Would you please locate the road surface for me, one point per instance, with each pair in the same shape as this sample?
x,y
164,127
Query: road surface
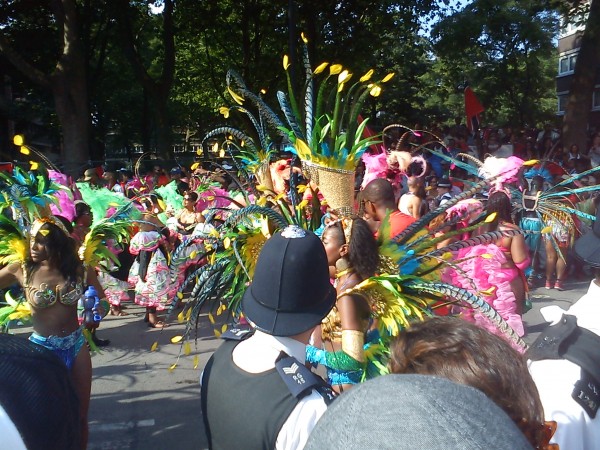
x,y
138,403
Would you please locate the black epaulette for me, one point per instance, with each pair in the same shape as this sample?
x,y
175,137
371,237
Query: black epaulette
x,y
300,380
238,333
566,340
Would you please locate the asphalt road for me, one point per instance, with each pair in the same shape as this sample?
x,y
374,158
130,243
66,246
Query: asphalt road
x,y
138,403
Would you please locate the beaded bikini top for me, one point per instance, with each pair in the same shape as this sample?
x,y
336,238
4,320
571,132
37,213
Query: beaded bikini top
x,y
44,296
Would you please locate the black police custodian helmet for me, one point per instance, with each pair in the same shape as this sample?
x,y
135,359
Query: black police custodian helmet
x,y
290,292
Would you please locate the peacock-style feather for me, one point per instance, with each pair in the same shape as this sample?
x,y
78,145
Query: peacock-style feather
x,y
29,193
236,85
289,115
413,228
475,302
244,213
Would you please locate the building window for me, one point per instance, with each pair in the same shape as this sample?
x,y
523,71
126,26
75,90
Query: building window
x,y
562,102
567,64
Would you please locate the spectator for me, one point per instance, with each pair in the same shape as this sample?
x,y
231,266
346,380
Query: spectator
x,y
39,409
594,152
467,354
176,174
574,152
111,183
91,176
547,133
257,393
444,187
415,412
378,201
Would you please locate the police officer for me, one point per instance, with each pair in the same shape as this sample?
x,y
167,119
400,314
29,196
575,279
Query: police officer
x,y
256,390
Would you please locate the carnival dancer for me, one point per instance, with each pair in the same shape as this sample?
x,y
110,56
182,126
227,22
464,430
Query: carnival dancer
x,y
352,250
150,271
531,222
54,279
495,268
412,203
557,244
188,217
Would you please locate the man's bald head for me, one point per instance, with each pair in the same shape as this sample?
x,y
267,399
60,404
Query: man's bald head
x,y
380,192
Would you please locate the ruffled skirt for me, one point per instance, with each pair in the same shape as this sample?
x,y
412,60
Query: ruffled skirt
x,y
485,273
150,272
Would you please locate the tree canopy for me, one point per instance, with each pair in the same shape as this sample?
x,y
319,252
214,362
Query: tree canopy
x,y
152,74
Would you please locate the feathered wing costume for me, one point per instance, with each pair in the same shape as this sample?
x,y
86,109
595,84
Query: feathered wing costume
x,y
25,201
559,208
25,197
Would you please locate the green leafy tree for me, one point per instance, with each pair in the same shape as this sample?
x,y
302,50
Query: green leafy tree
x,y
57,65
504,50
152,58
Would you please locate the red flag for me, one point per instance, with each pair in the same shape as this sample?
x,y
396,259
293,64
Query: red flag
x,y
472,109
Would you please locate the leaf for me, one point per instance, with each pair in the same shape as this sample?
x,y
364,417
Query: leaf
x,y
180,317
172,368
187,348
154,346
196,361
176,339
217,333
180,295
224,328
211,318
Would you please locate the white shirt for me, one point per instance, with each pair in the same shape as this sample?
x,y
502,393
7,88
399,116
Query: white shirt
x,y
555,380
258,354
11,438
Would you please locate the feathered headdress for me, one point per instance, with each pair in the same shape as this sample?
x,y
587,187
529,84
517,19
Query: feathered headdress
x,y
502,170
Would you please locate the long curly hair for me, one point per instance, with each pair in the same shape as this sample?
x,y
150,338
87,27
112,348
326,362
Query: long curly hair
x,y
363,253
62,252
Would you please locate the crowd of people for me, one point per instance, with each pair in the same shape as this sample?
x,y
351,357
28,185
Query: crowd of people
x,y
358,294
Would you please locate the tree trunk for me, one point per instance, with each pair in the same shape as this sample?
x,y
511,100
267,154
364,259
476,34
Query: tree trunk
x,y
68,84
162,127
73,114
156,90
575,121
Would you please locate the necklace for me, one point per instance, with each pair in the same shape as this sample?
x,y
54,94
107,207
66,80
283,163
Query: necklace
x,y
341,273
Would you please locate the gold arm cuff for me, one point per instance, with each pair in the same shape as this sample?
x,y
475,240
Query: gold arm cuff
x,y
353,342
